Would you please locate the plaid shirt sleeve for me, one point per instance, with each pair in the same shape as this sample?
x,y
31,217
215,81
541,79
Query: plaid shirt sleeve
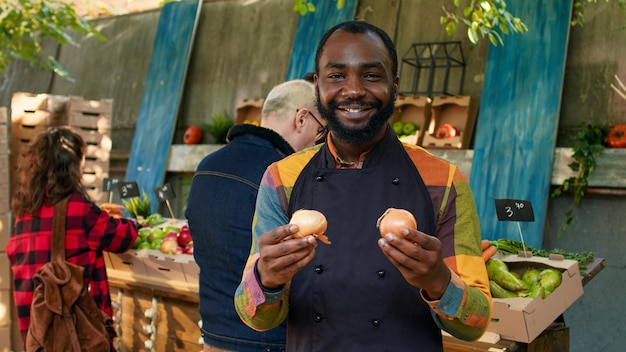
x,y
89,232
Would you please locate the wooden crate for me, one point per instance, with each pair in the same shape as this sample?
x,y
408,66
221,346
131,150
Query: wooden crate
x,y
176,322
4,131
33,101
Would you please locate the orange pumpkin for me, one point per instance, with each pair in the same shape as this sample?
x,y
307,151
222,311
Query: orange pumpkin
x,y
617,137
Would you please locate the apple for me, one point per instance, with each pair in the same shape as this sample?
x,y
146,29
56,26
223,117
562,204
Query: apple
x,y
188,248
156,234
168,246
184,236
144,245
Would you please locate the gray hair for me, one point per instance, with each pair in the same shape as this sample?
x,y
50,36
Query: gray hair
x,y
284,99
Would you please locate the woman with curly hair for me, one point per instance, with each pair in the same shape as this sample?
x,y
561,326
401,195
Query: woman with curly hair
x,y
49,171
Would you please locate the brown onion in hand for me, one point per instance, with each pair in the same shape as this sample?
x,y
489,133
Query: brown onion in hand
x,y
393,220
310,222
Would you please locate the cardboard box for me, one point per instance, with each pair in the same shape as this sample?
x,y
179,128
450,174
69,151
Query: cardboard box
x,y
128,261
249,110
459,111
175,267
523,319
414,109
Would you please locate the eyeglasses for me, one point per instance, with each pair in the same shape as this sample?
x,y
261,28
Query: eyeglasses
x,y
321,130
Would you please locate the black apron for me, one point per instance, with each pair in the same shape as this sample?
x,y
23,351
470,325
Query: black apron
x,y
350,297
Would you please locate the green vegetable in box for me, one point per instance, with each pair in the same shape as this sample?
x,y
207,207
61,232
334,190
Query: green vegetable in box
x,y
534,282
500,274
498,291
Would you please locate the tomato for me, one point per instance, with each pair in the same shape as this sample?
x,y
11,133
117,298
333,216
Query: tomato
x,y
617,137
446,131
193,135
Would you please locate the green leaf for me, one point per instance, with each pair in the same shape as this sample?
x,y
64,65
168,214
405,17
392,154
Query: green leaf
x,y
450,28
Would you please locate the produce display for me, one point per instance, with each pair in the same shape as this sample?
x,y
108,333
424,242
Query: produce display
x,y
404,129
446,131
164,235
506,246
533,283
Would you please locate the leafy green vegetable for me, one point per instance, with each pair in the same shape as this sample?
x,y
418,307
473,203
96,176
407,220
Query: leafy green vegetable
x,y
513,247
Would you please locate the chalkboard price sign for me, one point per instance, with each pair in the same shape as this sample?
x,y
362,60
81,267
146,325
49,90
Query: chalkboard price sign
x,y
109,183
128,189
164,193
514,210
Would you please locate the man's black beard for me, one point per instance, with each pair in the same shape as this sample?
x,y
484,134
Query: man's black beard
x,y
357,135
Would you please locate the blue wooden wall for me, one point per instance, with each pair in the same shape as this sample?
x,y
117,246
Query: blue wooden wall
x,y
161,95
311,28
519,113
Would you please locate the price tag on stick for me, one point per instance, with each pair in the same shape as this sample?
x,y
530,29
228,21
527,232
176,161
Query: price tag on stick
x,y
107,186
128,189
515,210
164,194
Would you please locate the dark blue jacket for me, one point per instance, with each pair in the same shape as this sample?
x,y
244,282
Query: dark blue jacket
x,y
219,211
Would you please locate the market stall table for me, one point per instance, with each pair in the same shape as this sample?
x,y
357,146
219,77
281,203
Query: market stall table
x,y
554,339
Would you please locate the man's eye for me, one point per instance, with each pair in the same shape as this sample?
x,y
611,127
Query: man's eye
x,y
335,76
372,76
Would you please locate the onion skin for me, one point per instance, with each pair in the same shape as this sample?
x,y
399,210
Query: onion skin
x,y
310,223
394,220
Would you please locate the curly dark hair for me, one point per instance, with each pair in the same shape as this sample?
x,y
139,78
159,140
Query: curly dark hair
x,y
359,27
49,170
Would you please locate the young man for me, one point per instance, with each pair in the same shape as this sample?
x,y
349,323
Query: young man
x,y
364,292
221,204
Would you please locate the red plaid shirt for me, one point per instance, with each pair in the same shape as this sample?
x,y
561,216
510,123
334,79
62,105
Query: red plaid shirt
x,y
89,231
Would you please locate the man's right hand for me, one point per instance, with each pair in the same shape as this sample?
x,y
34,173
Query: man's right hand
x,y
282,255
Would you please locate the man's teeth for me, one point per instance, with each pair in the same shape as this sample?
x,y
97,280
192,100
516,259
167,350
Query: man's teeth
x,y
354,110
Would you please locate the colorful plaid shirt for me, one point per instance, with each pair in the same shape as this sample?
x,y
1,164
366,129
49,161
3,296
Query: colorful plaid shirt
x,y
465,308
89,232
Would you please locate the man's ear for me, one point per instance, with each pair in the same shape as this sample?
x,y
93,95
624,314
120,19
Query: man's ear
x,y
299,119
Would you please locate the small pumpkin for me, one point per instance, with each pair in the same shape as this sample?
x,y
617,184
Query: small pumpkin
x,y
617,137
193,135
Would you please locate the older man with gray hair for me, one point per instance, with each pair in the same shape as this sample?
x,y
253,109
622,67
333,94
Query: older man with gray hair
x,y
221,205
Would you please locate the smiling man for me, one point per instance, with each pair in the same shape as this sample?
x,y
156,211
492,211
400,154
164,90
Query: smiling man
x,y
364,292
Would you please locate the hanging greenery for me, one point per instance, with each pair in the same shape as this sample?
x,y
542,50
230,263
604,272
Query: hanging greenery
x,y
24,24
589,143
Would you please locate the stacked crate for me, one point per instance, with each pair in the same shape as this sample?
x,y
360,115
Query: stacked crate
x,y
5,227
33,113
92,120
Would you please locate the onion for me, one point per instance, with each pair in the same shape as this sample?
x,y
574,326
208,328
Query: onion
x,y
310,222
393,220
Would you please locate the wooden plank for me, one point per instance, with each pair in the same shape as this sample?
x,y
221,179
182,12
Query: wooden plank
x,y
519,112
311,28
162,94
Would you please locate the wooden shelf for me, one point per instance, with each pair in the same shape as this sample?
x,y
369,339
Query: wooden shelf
x,y
610,171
